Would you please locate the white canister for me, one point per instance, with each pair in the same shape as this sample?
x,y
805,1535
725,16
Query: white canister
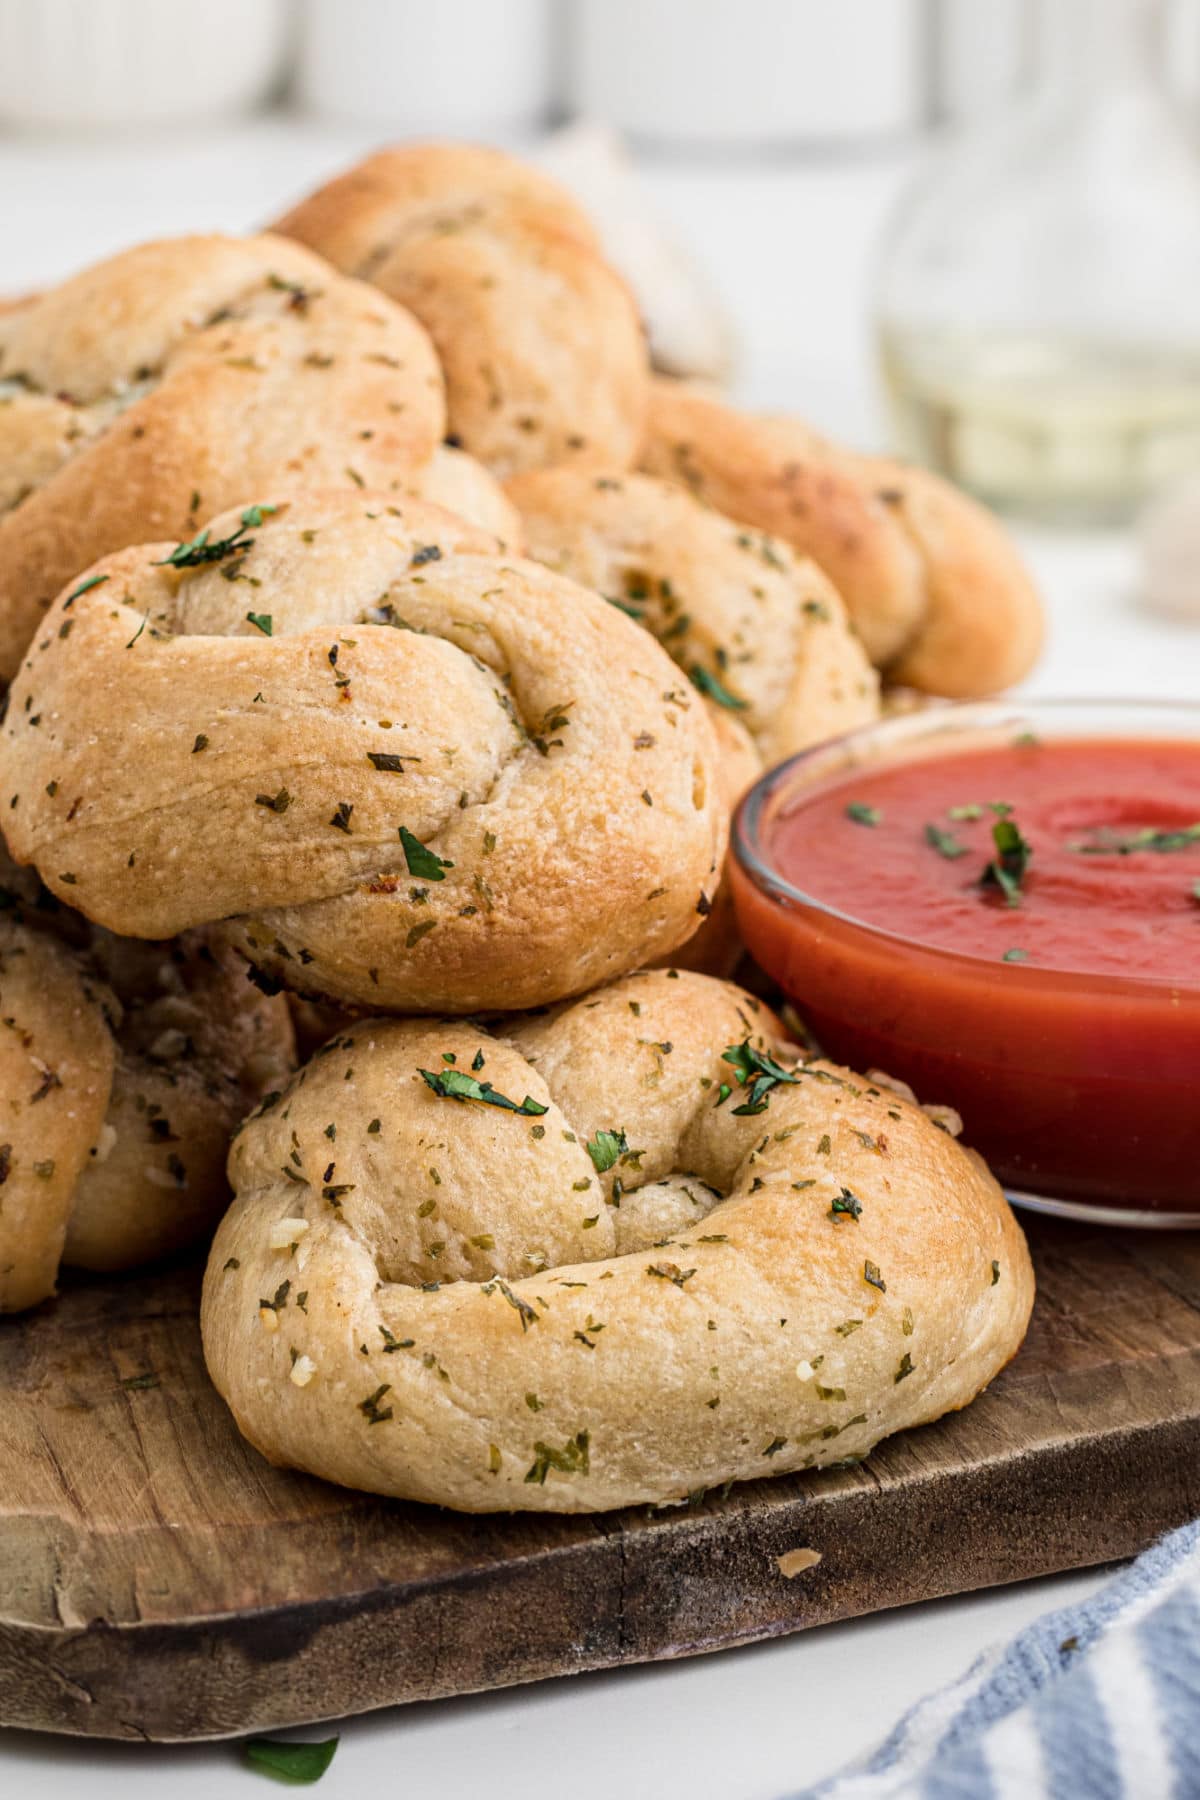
x,y
471,68
750,73
79,64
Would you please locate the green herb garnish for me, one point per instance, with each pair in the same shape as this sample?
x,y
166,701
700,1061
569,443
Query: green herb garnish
x,y
1006,870
605,1148
1015,955
421,861
1161,842
370,1408
261,622
862,814
846,1205
713,689
944,842
85,587
294,1762
757,1071
572,1459
453,1084
198,550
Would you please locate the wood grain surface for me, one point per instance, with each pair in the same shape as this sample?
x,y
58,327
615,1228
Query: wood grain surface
x,y
159,1580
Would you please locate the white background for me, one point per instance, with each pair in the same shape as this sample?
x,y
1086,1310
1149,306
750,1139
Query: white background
x,y
791,251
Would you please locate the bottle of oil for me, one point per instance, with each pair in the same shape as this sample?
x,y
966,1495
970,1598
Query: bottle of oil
x,y
1039,297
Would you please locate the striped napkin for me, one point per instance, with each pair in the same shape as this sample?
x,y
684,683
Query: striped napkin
x,y
1096,1702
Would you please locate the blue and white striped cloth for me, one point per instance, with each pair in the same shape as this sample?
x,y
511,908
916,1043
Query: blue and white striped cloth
x,y
1096,1702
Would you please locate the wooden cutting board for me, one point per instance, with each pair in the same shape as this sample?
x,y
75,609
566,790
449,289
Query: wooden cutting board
x,y
159,1580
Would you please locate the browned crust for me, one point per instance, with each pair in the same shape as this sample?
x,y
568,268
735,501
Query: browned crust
x,y
539,338
183,377
933,583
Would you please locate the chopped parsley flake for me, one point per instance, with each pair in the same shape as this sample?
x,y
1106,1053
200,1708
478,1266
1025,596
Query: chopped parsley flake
x,y
85,587
572,1459
199,550
297,1763
756,1070
605,1148
1161,842
944,842
1006,870
713,689
453,1084
370,1408
422,863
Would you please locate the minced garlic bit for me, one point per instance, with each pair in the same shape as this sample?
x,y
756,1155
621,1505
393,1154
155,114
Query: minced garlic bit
x,y
804,1371
303,1370
946,1118
795,1562
880,1078
168,1044
105,1143
286,1232
269,1318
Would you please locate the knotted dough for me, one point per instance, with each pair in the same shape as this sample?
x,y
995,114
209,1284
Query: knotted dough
x,y
156,388
607,1254
540,341
932,581
759,630
407,771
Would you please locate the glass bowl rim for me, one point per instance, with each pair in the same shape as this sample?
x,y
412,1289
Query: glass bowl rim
x,y
756,866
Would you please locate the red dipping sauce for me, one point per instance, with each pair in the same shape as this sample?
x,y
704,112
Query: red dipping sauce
x,y
1001,906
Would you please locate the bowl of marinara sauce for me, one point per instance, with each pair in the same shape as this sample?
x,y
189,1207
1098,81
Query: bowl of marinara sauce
x,y
1000,905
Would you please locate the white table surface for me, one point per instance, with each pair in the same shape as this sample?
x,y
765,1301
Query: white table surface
x,y
790,248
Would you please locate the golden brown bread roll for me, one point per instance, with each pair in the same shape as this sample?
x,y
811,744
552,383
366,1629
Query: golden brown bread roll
x,y
932,581
124,1068
155,389
408,772
611,1254
759,630
539,339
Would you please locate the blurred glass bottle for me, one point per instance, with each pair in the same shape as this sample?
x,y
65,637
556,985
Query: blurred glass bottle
x,y
1039,297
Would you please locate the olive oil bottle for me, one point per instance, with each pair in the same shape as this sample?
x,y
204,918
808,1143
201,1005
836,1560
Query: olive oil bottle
x,y
1039,295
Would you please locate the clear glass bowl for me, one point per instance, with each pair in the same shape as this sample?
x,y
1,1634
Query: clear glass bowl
x,y
1082,1091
